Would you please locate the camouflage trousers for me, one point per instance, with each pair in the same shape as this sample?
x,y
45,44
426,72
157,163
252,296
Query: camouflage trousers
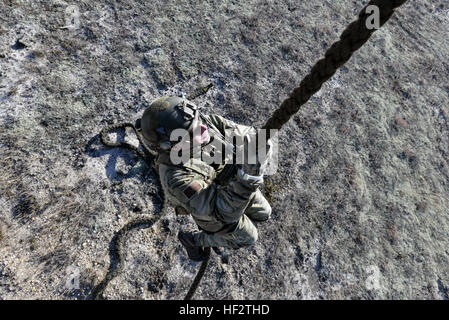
x,y
244,232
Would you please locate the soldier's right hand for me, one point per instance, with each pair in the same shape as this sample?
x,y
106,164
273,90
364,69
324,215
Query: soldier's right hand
x,y
253,162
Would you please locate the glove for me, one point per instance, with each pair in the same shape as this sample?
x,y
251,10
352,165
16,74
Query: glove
x,y
254,163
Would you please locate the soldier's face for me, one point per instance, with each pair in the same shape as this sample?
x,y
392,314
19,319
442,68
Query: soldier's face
x,y
199,133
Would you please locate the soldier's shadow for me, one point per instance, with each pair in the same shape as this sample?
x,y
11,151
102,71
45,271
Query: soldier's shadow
x,y
138,166
140,169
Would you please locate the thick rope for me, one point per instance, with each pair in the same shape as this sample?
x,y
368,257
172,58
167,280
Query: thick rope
x,y
355,35
146,154
116,254
199,276
352,38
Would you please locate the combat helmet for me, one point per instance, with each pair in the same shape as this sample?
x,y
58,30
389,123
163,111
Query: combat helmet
x,y
165,115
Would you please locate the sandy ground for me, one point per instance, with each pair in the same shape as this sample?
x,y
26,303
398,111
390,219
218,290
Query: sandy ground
x,y
361,198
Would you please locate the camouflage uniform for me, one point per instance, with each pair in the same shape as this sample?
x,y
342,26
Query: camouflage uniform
x,y
223,213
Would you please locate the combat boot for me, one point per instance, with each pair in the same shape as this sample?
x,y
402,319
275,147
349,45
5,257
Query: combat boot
x,y
195,252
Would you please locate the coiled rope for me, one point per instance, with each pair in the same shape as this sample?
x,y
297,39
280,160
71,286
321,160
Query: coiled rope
x,y
116,254
147,154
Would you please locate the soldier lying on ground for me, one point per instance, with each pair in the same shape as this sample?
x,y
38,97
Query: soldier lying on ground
x,y
224,213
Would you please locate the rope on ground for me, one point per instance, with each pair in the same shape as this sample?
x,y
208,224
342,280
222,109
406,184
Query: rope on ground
x,y
355,35
146,154
199,275
116,254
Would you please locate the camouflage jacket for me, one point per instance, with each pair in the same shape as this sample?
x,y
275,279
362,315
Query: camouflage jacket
x,y
192,186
